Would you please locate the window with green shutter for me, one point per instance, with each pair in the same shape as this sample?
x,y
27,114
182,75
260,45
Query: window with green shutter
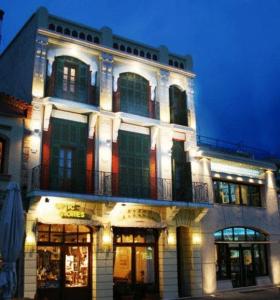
x,y
178,106
68,156
181,173
134,94
71,79
134,156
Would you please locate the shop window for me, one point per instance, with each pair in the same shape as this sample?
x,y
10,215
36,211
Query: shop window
x,y
133,94
178,106
70,79
236,193
61,266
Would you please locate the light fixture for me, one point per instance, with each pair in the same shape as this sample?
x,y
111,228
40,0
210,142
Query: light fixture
x,y
106,237
171,239
196,239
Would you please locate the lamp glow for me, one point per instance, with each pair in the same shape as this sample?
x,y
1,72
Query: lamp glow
x,y
196,239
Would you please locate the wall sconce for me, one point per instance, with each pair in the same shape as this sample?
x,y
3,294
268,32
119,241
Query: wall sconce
x,y
107,237
30,242
196,239
171,239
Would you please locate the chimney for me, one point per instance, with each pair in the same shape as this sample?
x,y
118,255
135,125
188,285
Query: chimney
x,y
1,20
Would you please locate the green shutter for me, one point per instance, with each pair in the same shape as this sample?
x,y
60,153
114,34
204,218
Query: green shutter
x,y
178,106
58,65
82,82
69,135
134,164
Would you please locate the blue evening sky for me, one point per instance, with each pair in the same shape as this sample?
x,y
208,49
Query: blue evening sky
x,y
235,46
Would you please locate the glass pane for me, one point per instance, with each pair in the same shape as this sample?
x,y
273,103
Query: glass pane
x,y
218,236
234,193
48,267
83,228
84,238
263,260
228,234
127,238
250,234
244,194
56,237
71,228
122,265
145,272
224,192
255,199
260,236
235,267
43,227
139,238
71,237
221,261
43,236
57,228
239,234
76,266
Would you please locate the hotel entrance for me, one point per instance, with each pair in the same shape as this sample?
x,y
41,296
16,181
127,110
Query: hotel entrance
x,y
64,262
135,264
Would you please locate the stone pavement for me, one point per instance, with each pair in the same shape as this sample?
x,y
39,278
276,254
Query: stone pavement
x,y
259,294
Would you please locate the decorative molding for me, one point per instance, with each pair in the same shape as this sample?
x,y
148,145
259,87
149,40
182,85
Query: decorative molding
x,y
69,116
190,142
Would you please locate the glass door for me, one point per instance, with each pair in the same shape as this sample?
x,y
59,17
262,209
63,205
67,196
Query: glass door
x,y
235,267
135,265
248,273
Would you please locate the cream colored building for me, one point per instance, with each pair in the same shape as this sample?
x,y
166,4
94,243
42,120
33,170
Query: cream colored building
x,y
121,198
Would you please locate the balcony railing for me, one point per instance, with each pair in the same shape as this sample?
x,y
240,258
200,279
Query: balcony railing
x,y
110,184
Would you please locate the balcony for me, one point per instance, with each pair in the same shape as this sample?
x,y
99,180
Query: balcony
x,y
109,184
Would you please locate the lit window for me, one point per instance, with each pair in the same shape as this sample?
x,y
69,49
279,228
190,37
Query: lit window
x,y
69,79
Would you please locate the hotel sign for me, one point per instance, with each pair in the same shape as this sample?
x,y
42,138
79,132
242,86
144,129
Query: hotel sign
x,y
72,211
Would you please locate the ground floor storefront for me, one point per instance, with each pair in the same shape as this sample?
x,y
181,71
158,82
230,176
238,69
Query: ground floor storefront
x,y
78,249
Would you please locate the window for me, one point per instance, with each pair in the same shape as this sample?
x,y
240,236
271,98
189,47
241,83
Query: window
x,y
59,29
128,50
135,51
82,36
116,46
178,106
70,79
133,94
240,255
74,33
3,155
52,27
96,40
89,38
235,193
155,57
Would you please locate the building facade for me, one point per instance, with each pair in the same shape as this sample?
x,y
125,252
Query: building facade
x,y
122,201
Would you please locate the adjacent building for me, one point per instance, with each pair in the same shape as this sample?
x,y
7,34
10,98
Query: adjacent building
x,y
122,202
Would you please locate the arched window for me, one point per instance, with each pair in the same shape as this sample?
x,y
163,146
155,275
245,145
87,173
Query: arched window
x,y
148,55
178,106
142,53
122,48
182,66
133,94
170,62
74,33
116,46
135,51
96,40
128,50
70,79
67,31
155,57
176,64
82,36
52,27
89,38
59,29
241,255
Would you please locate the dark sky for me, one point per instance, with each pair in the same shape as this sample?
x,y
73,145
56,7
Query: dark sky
x,y
235,45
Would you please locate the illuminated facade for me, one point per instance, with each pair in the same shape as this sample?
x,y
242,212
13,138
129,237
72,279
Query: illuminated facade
x,y
119,193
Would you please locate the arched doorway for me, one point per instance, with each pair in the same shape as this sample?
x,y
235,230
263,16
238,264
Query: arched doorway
x,y
64,262
241,255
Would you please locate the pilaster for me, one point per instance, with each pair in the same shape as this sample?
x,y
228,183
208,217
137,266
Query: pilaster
x,y
190,104
163,95
106,81
39,72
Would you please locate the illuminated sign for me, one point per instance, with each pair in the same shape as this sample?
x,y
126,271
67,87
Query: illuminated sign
x,y
72,211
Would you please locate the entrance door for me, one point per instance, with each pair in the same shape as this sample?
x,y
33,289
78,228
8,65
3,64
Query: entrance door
x,y
63,262
135,265
241,266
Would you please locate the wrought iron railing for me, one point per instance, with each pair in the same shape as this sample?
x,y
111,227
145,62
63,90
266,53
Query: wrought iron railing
x,y
110,184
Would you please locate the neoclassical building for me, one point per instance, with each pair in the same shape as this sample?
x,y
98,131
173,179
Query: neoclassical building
x,y
122,201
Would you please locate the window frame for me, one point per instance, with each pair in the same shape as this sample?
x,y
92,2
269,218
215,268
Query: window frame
x,y
4,158
242,202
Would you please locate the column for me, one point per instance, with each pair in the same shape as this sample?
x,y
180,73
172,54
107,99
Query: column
x,y
30,257
39,72
102,275
163,95
168,277
106,81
